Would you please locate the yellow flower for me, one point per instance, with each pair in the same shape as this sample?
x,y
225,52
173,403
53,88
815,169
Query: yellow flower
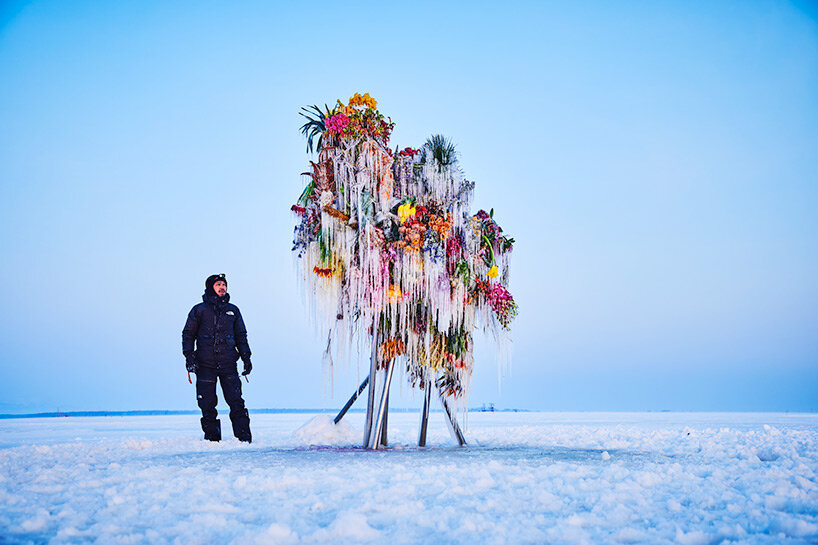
x,y
341,108
493,273
406,211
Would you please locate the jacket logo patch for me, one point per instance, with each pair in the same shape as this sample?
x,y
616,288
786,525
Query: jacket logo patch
x,y
229,313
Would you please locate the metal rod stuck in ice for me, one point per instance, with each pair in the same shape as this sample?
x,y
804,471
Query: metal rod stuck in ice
x,y
352,400
424,414
457,435
375,442
373,368
384,424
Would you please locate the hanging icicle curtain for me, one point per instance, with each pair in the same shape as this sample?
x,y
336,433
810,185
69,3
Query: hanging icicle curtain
x,y
386,240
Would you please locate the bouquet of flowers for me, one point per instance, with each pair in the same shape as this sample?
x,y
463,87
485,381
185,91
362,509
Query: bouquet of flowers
x,y
390,252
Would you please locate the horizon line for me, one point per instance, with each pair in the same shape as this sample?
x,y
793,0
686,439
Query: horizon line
x,y
483,409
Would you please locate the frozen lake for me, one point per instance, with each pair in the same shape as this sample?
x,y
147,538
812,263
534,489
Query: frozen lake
x,y
687,478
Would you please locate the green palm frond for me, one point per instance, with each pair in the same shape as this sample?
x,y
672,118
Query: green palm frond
x,y
315,125
441,149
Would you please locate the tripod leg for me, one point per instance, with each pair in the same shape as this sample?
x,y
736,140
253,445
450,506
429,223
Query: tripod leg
x,y
378,423
373,367
352,400
384,441
457,435
424,414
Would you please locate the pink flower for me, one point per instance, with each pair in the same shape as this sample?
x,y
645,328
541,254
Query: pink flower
x,y
502,302
337,123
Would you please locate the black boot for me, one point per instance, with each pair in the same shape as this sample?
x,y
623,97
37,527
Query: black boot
x,y
212,429
241,425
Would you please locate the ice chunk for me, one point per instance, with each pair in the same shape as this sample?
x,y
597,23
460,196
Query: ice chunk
x,y
695,537
767,454
37,523
348,527
277,534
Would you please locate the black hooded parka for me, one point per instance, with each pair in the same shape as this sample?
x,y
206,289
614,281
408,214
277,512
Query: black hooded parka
x,y
219,333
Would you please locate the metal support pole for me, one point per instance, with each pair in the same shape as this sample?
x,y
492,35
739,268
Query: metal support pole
x,y
375,440
457,435
424,414
373,368
384,441
352,400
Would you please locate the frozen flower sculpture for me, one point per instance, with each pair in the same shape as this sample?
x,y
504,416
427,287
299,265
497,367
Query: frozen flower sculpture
x,y
391,254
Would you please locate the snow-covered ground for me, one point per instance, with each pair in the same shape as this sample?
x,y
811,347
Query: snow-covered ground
x,y
687,478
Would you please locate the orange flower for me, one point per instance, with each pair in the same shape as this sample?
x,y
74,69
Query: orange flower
x,y
441,225
363,100
342,108
391,348
394,294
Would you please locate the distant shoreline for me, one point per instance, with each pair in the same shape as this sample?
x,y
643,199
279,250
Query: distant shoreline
x,y
80,414
65,414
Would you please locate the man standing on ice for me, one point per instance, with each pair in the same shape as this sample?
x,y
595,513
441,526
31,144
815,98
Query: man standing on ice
x,y
213,339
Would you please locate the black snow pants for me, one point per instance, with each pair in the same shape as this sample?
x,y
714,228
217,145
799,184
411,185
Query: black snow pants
x,y
206,396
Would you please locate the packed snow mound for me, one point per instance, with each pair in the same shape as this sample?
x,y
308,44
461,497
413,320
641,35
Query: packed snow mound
x,y
322,430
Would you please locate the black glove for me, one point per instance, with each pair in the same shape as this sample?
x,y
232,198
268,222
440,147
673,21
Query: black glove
x,y
247,368
190,364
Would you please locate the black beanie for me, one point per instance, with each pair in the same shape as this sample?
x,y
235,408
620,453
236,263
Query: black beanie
x,y
212,279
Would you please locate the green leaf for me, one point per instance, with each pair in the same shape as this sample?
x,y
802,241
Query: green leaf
x,y
307,193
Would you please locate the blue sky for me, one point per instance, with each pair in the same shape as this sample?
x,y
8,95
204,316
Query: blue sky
x,y
655,161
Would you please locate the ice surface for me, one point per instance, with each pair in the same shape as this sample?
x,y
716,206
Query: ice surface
x,y
685,478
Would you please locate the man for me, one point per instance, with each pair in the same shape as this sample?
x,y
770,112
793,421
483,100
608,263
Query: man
x,y
217,329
